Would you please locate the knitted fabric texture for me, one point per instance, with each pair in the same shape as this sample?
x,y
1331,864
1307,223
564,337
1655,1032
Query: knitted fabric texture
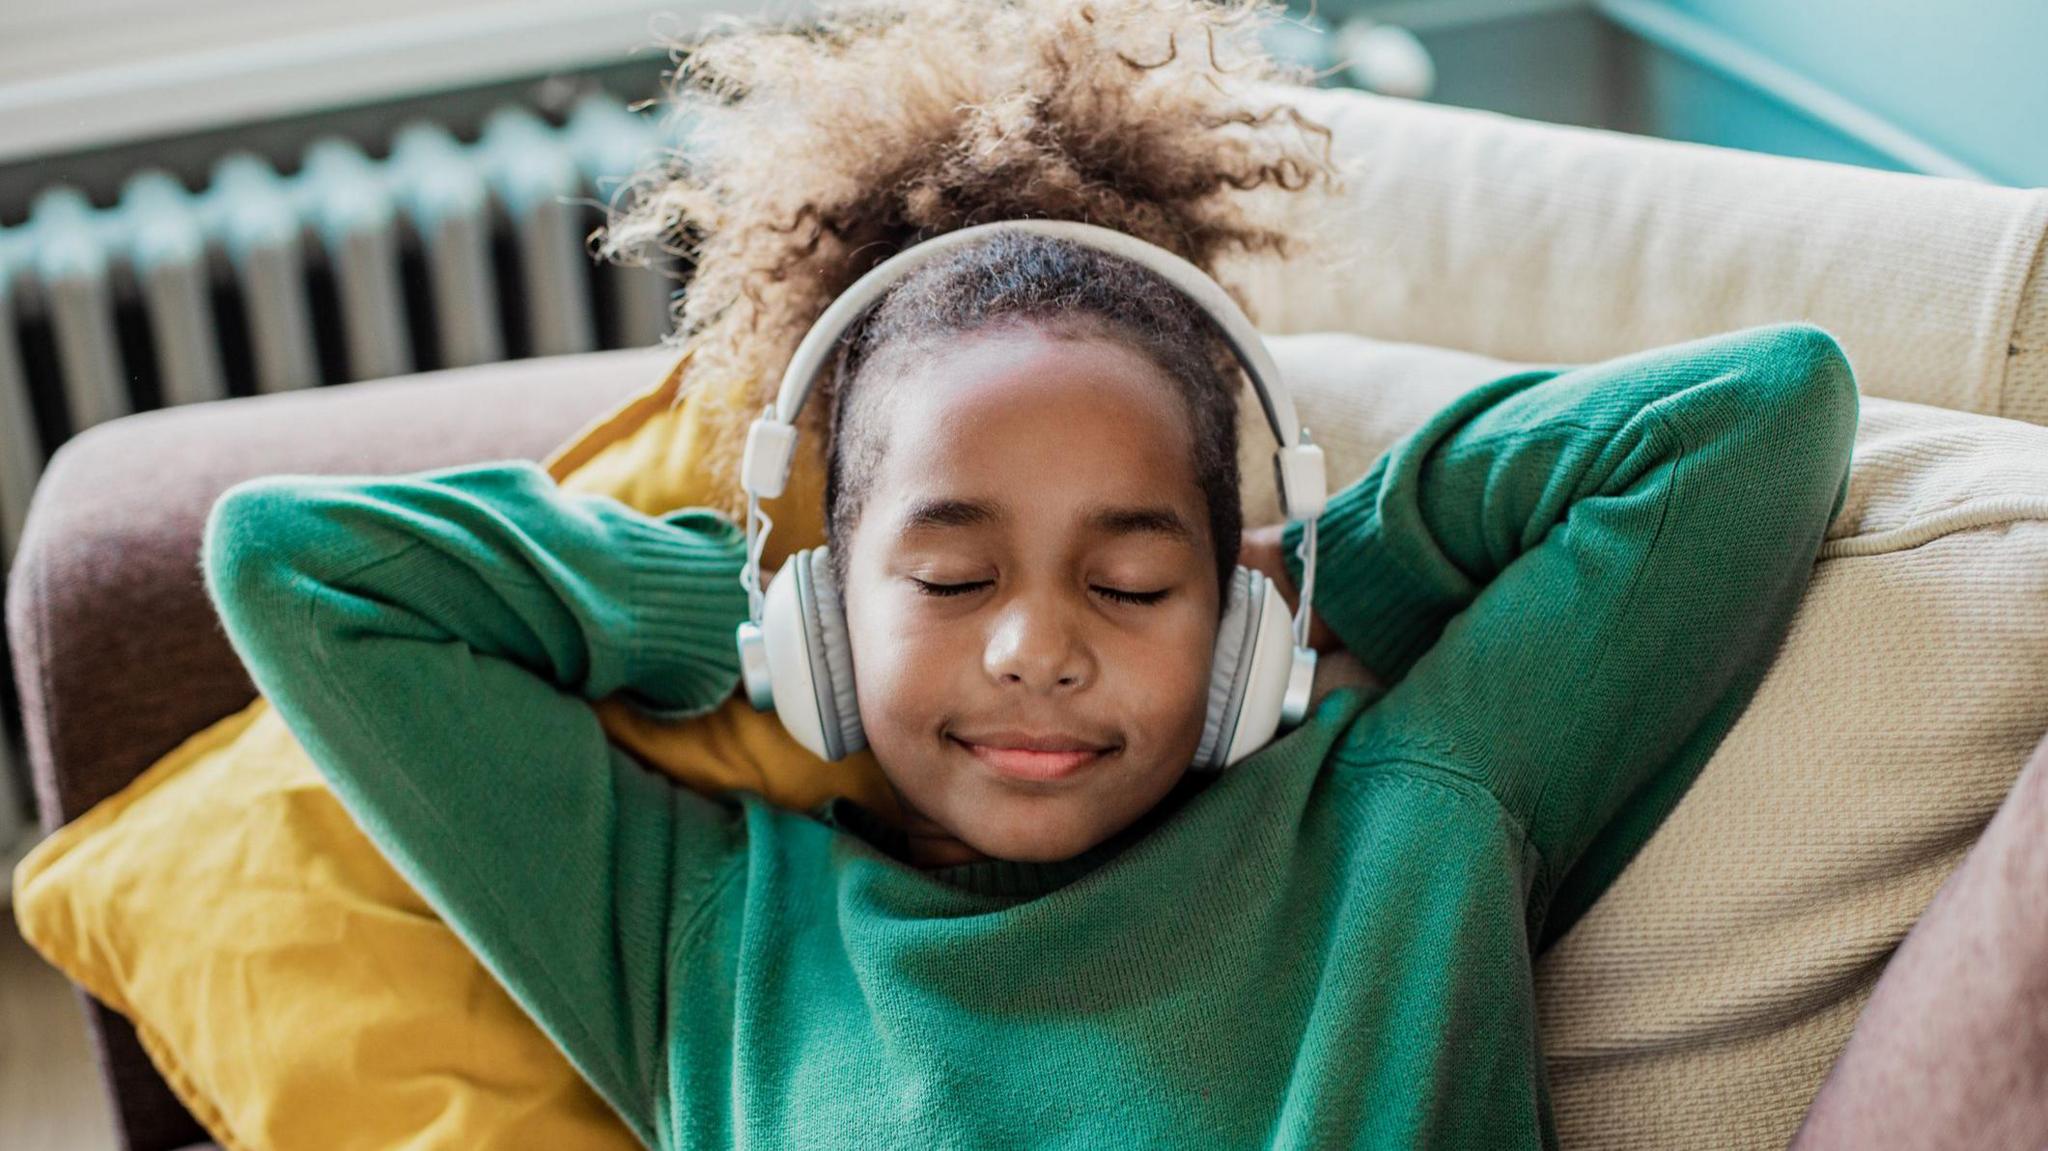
x,y
1572,578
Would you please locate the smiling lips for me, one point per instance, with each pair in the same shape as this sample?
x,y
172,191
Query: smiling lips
x,y
1024,756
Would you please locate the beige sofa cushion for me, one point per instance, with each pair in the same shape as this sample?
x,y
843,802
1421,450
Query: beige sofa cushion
x,y
1702,999
1531,241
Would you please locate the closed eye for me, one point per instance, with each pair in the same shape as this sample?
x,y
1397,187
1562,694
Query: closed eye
x,y
1119,595
1136,597
929,588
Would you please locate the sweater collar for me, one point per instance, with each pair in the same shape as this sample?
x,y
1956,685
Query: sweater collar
x,y
1008,876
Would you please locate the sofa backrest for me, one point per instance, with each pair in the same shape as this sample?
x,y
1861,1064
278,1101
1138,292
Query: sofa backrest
x,y
1539,242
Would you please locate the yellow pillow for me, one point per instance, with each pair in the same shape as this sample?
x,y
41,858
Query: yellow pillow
x,y
293,990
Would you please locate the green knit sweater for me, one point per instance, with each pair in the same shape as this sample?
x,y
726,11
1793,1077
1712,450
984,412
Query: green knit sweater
x,y
1572,577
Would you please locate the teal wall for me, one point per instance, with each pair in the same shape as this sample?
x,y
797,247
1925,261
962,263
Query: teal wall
x,y
1969,76
1954,89
1663,93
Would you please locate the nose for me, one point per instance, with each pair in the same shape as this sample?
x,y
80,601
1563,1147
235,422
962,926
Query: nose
x,y
1033,644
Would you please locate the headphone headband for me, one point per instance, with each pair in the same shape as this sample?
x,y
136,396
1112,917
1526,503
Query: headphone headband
x,y
1298,464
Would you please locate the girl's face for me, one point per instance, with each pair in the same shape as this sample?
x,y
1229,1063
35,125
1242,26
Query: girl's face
x,y
1031,595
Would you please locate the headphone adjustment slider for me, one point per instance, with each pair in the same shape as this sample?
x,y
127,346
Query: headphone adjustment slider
x,y
764,468
754,667
1303,479
1301,683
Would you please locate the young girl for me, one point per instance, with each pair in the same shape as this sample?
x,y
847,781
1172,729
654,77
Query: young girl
x,y
1572,580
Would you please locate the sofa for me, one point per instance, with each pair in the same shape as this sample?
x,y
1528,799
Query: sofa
x,y
1504,238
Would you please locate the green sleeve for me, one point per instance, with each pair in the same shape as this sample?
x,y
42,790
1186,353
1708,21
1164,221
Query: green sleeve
x,y
433,640
1574,579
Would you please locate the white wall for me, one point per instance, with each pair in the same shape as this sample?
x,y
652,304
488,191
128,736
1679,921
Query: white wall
x,y
87,73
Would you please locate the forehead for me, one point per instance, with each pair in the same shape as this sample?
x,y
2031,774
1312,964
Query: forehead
x,y
1035,422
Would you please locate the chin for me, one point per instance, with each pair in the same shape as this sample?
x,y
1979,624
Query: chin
x,y
1031,845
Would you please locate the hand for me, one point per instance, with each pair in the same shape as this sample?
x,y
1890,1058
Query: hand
x,y
1261,549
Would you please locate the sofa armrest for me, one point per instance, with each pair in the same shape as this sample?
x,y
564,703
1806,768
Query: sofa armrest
x,y
117,652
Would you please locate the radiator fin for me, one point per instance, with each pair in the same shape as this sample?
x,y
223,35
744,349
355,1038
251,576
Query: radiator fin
x,y
441,254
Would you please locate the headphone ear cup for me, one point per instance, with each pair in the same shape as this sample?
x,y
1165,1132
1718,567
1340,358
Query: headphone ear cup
x,y
831,655
1268,671
1236,637
786,641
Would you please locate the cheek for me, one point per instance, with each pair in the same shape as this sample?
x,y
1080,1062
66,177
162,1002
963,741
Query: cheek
x,y
1153,679
1168,673
903,672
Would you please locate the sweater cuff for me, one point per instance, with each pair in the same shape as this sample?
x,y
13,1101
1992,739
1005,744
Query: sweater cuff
x,y
683,607
1385,614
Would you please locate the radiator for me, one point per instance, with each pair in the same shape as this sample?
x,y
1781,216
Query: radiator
x,y
441,253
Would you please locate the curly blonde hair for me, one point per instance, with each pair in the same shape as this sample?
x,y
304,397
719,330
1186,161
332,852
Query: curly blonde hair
x,y
816,149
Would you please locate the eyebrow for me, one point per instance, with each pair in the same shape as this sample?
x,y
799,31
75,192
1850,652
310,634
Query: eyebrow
x,y
929,514
946,512
1127,521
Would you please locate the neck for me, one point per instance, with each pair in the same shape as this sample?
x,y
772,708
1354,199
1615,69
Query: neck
x,y
931,845
930,851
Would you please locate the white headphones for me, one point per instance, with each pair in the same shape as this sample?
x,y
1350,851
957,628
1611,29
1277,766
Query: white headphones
x,y
794,653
